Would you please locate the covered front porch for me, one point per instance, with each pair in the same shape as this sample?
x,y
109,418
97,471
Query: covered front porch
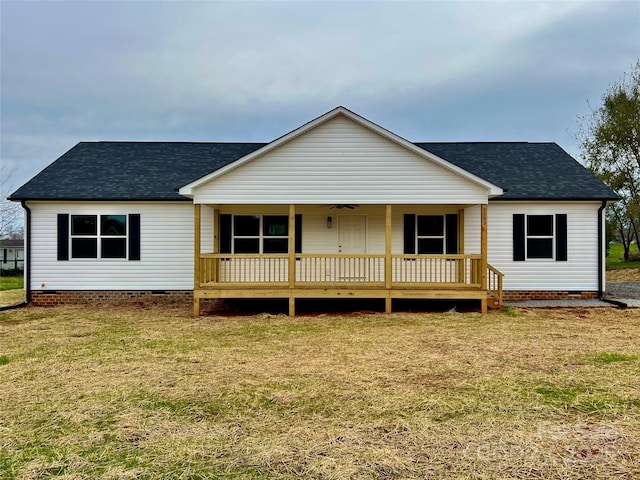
x,y
387,263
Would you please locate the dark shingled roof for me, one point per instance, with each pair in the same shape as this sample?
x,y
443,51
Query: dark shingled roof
x,y
129,170
11,243
525,171
156,170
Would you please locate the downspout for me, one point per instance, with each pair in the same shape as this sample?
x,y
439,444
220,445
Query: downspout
x,y
601,252
27,261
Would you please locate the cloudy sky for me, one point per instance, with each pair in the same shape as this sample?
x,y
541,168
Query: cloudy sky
x,y
252,71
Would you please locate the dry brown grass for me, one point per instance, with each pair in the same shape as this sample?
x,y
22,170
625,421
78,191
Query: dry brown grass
x,y
623,275
11,297
125,392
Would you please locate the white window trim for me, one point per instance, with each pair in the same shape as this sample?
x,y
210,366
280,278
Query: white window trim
x,y
260,235
98,236
553,235
443,236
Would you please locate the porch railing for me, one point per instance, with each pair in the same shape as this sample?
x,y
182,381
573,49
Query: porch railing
x,y
244,268
494,283
339,269
436,269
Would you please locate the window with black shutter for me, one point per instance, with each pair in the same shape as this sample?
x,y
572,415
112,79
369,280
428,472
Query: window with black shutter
x,y
538,237
431,234
105,236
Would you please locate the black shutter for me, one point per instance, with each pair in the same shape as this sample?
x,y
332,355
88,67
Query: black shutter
x,y
225,233
409,233
134,236
561,237
63,236
298,246
518,237
452,233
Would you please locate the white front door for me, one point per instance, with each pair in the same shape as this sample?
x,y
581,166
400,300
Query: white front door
x,y
352,234
352,240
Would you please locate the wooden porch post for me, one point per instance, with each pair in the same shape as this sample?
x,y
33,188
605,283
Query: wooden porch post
x,y
196,259
462,271
216,243
461,231
387,259
292,259
483,252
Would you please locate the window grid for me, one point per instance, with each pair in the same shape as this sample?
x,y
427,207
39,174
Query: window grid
x,y
540,245
262,238
431,239
96,237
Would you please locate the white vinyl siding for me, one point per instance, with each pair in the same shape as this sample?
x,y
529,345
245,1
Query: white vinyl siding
x,y
317,238
340,162
166,233
206,228
579,272
472,229
166,249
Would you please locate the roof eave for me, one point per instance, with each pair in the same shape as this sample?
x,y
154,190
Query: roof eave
x,y
97,199
557,199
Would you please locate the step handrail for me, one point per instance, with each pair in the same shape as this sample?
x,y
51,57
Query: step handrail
x,y
494,283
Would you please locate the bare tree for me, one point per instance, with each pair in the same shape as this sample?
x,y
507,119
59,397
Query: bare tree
x,y
11,213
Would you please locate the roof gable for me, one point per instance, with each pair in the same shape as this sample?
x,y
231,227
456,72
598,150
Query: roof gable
x,y
188,190
341,161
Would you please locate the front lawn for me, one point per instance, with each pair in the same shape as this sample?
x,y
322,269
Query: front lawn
x,y
149,392
615,258
11,290
11,282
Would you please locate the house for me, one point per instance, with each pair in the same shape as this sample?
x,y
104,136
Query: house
x,y
12,255
337,208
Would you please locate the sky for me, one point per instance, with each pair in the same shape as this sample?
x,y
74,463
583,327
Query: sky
x,y
253,71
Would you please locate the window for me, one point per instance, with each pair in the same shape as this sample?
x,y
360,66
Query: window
x,y
260,234
98,236
255,232
538,237
275,231
430,234
246,234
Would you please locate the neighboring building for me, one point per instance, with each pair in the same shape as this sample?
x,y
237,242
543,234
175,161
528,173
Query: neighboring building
x,y
338,208
12,255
